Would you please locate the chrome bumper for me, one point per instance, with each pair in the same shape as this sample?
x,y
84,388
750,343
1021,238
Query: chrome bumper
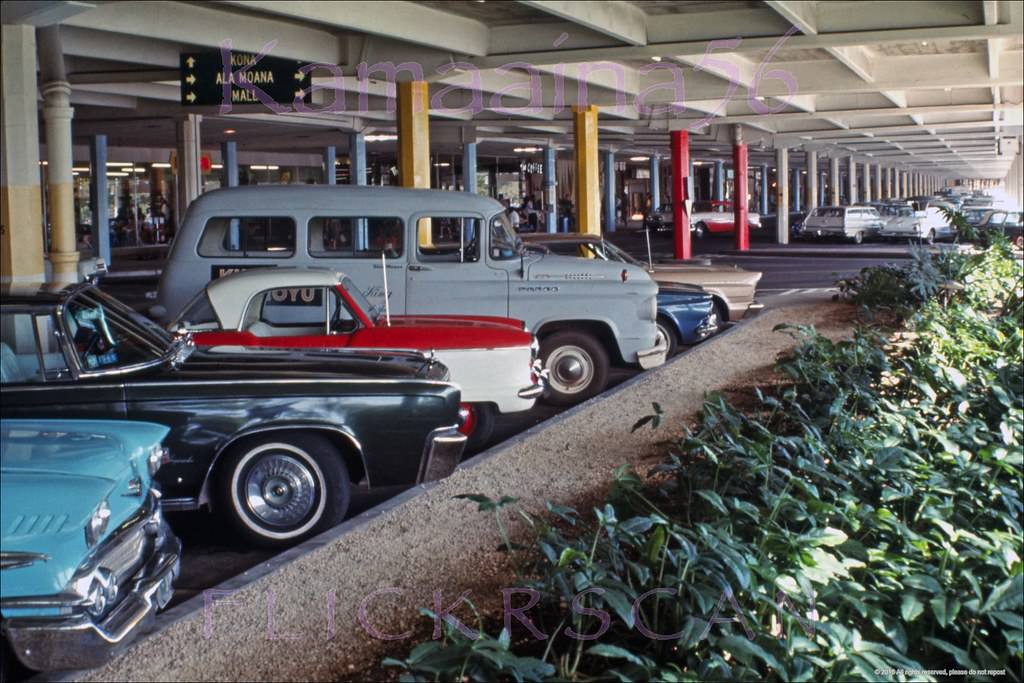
x,y
441,454
78,642
652,358
755,306
535,390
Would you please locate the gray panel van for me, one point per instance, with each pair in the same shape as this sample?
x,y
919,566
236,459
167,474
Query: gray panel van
x,y
442,252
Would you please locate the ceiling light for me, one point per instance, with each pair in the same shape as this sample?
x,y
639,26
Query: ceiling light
x,y
698,163
216,166
116,174
442,164
120,163
160,164
948,89
639,158
80,169
229,131
526,149
924,42
380,138
655,59
258,167
44,163
137,169
272,167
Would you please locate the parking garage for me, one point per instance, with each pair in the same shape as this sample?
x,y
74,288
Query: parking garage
x,y
722,167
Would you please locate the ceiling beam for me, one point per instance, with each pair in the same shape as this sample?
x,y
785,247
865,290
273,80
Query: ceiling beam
x,y
406,21
622,21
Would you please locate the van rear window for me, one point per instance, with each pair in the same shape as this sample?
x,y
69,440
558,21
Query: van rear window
x,y
263,236
355,237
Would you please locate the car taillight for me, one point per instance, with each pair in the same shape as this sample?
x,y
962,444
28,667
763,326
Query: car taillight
x,y
467,418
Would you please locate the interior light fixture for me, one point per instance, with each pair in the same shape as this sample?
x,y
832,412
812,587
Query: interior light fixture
x,y
216,166
120,164
229,131
442,164
639,158
160,164
80,169
380,138
655,59
117,174
258,167
526,149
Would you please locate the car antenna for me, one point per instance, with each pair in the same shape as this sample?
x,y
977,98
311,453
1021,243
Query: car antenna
x,y
650,260
384,269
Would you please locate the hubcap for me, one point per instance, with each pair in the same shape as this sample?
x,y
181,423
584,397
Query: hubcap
x,y
280,490
572,369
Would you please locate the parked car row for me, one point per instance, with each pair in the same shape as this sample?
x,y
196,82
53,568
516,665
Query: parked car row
x,y
309,338
921,219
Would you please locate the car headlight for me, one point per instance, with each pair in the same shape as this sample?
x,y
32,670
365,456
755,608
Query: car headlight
x,y
158,455
97,524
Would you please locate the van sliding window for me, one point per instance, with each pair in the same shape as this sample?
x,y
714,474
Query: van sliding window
x,y
260,236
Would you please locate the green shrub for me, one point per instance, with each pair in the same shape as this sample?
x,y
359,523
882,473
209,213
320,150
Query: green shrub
x,y
866,519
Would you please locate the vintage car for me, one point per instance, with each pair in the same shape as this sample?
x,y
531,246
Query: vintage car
x,y
493,360
714,217
440,253
686,315
732,288
856,223
272,440
1009,223
86,558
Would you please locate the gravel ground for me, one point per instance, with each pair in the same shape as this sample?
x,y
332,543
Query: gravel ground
x,y
301,622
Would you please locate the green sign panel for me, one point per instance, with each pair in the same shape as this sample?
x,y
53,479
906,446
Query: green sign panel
x,y
204,74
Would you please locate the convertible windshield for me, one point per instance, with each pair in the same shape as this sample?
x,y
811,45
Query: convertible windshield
x,y
107,334
616,254
372,312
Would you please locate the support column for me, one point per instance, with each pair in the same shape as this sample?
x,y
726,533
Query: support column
x,y
60,205
795,173
189,175
823,185
229,160
469,167
330,159
680,144
21,239
413,134
878,181
356,159
782,195
551,188
690,191
719,180
98,204
655,173
588,198
739,195
833,181
608,203
812,179
867,182
764,191
851,181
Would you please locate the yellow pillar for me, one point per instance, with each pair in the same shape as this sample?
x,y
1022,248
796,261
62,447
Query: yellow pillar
x,y
57,114
21,216
588,195
413,134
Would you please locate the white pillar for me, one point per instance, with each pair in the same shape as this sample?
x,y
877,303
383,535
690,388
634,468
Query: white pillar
x,y
812,179
851,181
188,174
867,182
57,114
21,240
878,181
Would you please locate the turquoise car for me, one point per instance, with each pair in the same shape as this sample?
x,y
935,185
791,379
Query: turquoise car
x,y
86,558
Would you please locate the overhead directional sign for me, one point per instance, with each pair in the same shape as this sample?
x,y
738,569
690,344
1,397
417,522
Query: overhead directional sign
x,y
204,74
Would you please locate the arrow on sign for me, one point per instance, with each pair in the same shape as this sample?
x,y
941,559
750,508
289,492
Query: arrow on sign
x,y
191,79
191,62
191,97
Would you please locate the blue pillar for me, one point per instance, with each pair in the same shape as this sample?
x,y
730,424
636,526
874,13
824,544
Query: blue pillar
x,y
609,191
330,158
550,187
720,180
764,190
229,160
98,201
655,172
796,189
469,167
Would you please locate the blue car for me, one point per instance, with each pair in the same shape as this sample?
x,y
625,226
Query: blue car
x,y
86,558
686,315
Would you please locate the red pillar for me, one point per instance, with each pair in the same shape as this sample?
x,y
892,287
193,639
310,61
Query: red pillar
x,y
739,196
680,171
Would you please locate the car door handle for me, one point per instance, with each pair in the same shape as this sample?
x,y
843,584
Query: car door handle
x,y
416,267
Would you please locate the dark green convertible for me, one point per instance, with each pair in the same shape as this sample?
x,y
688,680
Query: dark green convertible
x,y
271,440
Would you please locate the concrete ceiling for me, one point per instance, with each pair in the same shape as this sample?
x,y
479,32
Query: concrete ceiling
x,y
935,87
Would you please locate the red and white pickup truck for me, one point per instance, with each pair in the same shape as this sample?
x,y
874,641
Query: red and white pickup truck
x,y
492,359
